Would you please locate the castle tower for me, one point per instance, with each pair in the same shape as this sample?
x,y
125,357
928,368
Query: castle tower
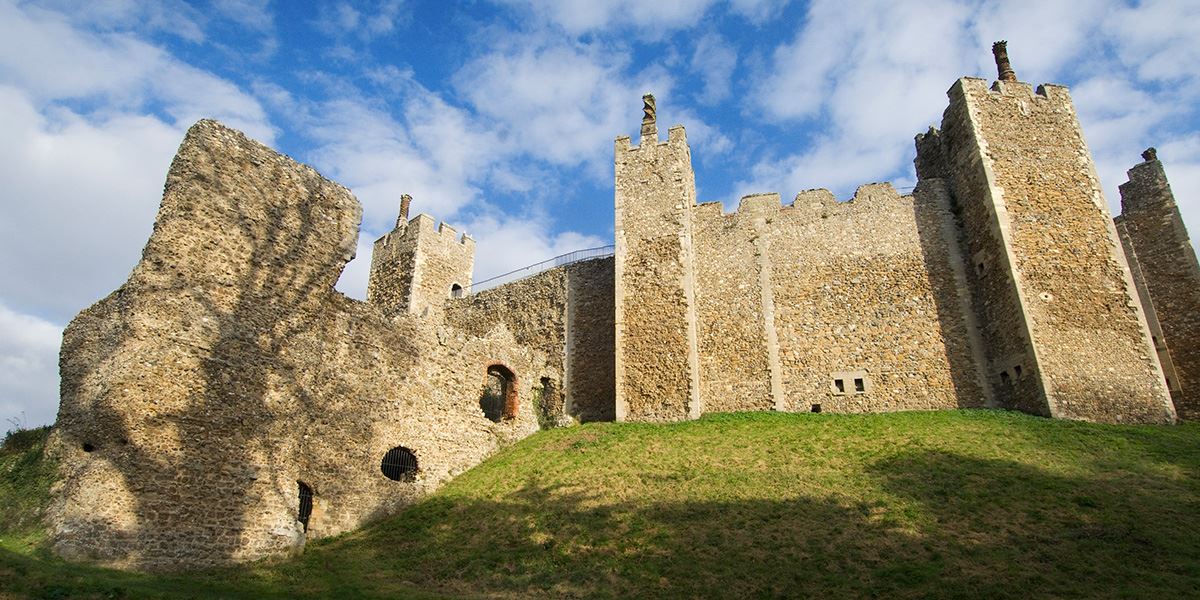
x,y
1063,328
1169,277
419,264
657,364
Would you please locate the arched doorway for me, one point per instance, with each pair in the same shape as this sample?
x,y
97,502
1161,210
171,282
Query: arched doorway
x,y
499,399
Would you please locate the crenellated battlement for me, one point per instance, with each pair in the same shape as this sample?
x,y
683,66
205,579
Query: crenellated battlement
x,y
419,264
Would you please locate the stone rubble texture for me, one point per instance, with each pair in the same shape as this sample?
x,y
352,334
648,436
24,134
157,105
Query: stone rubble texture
x,y
227,370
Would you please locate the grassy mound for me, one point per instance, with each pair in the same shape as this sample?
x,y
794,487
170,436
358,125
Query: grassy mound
x,y
946,504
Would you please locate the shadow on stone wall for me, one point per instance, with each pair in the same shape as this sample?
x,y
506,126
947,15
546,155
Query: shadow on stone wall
x,y
190,383
933,215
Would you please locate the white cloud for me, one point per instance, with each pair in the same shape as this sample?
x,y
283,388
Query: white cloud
x,y
28,368
559,101
42,54
249,13
580,16
353,281
91,122
505,243
758,11
713,61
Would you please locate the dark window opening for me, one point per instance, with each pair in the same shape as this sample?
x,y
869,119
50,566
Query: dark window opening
x,y
839,385
816,408
456,291
860,386
499,399
88,447
1017,370
399,464
979,268
306,503
1004,377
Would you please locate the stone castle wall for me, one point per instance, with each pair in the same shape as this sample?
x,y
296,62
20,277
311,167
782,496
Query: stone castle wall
x,y
416,266
1157,242
227,370
1094,348
793,299
566,314
1065,303
657,370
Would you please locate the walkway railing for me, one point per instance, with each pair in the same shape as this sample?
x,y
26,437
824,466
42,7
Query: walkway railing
x,y
534,269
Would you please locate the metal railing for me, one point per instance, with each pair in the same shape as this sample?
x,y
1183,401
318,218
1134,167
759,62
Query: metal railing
x,y
534,269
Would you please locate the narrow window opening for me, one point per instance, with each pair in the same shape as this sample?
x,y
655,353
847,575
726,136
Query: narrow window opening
x,y
306,504
840,385
979,268
399,464
456,291
499,399
860,385
1017,371
1004,377
816,408
89,447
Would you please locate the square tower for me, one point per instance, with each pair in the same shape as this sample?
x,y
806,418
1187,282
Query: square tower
x,y
1156,239
1064,331
418,265
657,363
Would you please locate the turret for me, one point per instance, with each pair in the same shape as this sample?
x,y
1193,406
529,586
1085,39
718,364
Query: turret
x,y
1168,275
418,265
1064,332
657,359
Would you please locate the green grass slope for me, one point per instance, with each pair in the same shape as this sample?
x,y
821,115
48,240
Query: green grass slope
x,y
943,504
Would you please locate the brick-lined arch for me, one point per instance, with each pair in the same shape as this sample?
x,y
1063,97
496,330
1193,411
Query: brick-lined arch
x,y
499,400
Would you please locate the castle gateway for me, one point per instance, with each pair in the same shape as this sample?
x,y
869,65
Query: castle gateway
x,y
226,403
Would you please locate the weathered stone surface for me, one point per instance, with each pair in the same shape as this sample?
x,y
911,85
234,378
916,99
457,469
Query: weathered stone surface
x,y
227,370
1063,328
1158,243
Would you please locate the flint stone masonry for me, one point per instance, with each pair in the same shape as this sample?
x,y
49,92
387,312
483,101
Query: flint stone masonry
x,y
1157,242
1051,282
227,374
227,369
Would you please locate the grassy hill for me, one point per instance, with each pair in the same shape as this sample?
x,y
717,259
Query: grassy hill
x,y
942,504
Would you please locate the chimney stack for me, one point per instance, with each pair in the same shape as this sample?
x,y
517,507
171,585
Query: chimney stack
x,y
1003,67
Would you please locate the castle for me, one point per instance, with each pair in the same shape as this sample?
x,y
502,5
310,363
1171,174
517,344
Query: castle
x,y
226,403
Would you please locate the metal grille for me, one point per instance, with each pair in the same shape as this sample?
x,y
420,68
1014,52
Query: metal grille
x,y
399,464
306,503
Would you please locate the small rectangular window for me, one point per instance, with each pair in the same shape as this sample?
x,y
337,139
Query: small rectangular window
x,y
1004,377
840,385
859,385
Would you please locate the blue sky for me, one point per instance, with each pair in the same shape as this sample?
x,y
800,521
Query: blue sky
x,y
499,116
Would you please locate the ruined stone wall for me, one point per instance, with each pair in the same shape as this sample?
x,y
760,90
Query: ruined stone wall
x,y
227,370
565,314
1155,233
731,257
867,290
1090,340
656,357
591,357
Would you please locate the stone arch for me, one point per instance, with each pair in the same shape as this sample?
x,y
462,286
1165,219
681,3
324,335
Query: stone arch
x,y
499,400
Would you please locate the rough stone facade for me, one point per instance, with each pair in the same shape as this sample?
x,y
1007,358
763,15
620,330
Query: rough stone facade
x,y
227,370
1165,267
226,403
1064,331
